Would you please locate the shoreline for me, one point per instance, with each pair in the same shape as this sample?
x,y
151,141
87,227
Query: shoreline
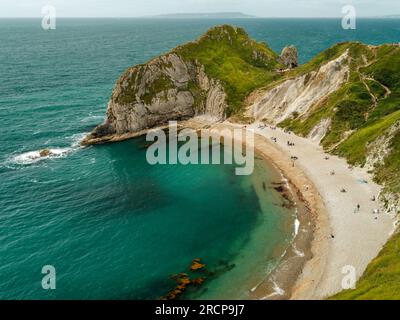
x,y
282,281
279,283
340,236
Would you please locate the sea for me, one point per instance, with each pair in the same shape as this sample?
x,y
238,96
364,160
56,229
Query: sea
x,y
111,225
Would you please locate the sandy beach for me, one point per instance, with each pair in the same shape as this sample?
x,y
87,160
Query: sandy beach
x,y
343,235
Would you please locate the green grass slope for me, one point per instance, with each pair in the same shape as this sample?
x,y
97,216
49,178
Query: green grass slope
x,y
238,62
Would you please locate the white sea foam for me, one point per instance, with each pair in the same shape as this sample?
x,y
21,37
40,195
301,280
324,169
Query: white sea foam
x,y
77,139
296,227
93,118
278,291
32,157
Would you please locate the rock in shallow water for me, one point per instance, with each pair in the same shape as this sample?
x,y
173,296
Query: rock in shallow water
x,y
45,153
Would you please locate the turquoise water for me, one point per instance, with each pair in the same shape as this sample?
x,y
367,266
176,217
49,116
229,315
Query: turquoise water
x,y
113,226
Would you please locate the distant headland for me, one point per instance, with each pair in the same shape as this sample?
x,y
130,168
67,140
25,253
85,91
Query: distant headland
x,y
209,15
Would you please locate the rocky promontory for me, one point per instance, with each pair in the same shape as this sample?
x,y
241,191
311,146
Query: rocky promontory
x,y
209,76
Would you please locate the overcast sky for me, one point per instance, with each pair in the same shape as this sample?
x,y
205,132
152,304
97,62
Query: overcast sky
x,y
137,8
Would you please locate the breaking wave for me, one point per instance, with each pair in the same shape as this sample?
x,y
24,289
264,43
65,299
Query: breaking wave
x,y
32,157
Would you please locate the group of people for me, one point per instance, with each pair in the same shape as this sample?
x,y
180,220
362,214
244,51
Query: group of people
x,y
343,190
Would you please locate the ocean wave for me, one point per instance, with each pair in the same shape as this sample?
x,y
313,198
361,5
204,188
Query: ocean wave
x,y
77,139
32,157
93,118
278,291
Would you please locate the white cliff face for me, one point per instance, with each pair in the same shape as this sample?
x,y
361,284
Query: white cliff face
x,y
302,93
162,90
379,149
215,102
320,130
171,105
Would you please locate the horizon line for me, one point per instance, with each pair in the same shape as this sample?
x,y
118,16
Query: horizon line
x,y
158,17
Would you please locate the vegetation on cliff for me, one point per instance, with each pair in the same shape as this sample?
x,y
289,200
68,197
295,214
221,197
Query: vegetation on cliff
x,y
238,62
228,55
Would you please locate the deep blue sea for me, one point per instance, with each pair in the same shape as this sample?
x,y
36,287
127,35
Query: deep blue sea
x,y
112,225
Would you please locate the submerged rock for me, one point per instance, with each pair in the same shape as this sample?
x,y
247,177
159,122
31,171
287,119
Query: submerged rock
x,y
280,189
45,153
197,265
198,281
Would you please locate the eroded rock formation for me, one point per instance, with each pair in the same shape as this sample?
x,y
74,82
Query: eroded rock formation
x,y
298,95
289,57
166,88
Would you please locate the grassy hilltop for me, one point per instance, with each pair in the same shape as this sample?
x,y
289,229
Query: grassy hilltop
x,y
238,62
